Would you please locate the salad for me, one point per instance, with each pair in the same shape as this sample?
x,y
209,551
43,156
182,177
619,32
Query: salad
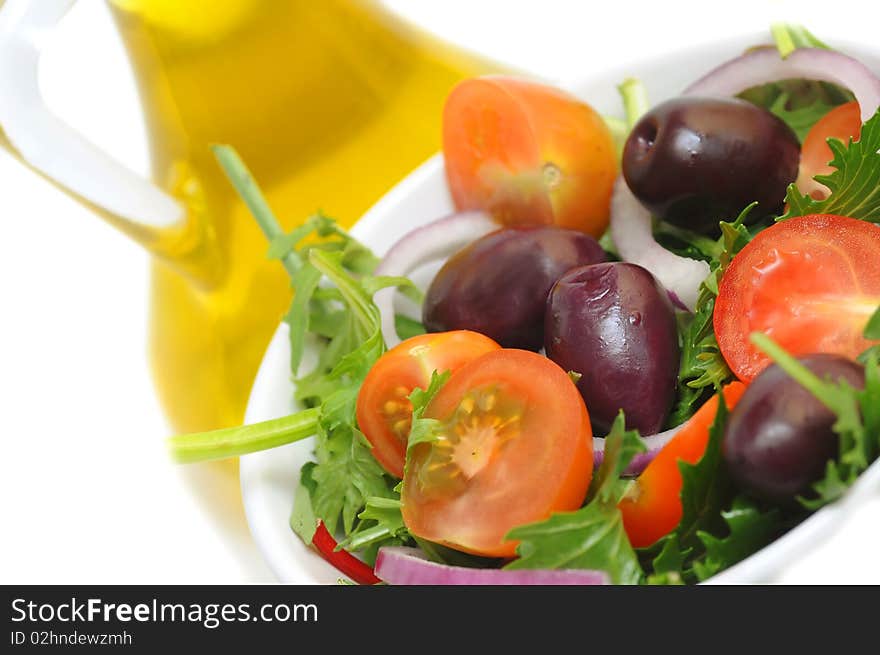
x,y
652,347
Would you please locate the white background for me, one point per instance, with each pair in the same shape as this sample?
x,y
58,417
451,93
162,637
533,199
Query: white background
x,y
86,493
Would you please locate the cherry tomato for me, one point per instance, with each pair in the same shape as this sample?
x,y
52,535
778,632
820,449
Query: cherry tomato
x,y
652,507
514,445
843,122
384,412
528,153
810,283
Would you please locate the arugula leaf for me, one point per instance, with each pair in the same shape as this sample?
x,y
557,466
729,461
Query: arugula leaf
x,y
669,564
857,424
345,485
302,517
407,327
872,328
855,185
380,524
800,119
593,536
702,367
749,531
702,545
705,486
423,430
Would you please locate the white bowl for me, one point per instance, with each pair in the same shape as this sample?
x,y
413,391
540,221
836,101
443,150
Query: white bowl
x,y
268,479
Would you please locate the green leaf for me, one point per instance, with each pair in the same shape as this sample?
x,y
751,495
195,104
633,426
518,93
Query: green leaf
x,y
855,185
346,475
380,524
800,119
302,518
669,564
407,327
702,366
749,530
704,486
590,538
304,282
423,430
872,329
593,536
621,445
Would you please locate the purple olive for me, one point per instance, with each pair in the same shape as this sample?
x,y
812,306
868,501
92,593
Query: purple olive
x,y
614,324
498,285
694,161
779,437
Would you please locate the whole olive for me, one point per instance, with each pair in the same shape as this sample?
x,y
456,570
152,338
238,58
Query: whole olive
x,y
498,285
614,325
779,437
694,161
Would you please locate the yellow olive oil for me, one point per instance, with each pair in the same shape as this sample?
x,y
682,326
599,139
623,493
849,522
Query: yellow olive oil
x,y
329,102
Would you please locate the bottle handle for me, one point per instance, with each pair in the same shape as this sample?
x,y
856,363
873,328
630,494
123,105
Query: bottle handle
x,y
52,147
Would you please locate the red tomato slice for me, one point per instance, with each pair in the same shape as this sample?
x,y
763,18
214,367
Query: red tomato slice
x,y
652,507
528,153
514,446
384,413
810,283
843,122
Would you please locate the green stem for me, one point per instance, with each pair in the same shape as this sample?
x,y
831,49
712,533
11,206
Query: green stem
x,y
244,183
790,37
635,100
243,439
619,131
354,295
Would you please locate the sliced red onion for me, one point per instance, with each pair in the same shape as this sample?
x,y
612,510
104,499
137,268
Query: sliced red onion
x,y
654,442
398,565
431,242
764,65
634,239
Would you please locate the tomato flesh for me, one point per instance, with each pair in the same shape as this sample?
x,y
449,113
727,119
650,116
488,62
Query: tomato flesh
x,y
652,506
514,445
843,123
384,412
810,283
528,153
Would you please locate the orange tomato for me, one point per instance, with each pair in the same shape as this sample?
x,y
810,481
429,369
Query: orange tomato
x,y
528,153
514,445
384,413
843,122
652,507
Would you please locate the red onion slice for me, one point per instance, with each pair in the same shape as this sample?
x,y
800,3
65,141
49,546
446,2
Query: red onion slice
x,y
765,65
632,235
654,442
431,242
398,565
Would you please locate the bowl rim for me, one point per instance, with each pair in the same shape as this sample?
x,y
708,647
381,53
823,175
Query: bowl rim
x,y
758,567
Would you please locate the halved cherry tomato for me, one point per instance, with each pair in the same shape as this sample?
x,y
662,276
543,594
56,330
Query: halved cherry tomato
x,y
652,507
514,445
528,153
810,283
843,122
384,413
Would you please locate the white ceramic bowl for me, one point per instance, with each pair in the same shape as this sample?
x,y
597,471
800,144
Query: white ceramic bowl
x,y
268,479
